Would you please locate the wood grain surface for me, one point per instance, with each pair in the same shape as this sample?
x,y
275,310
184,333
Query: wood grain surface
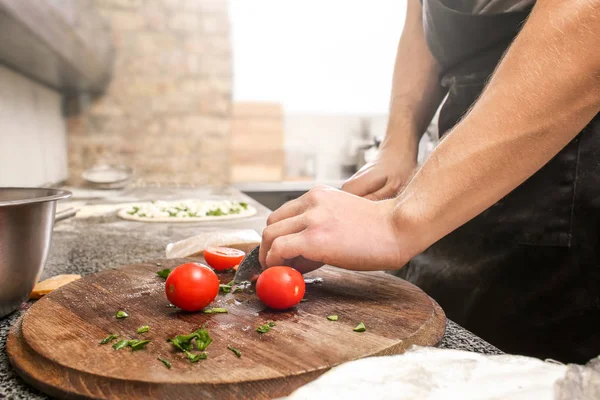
x,y
55,346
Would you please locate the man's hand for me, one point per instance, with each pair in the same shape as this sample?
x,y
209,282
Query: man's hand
x,y
416,95
328,226
384,177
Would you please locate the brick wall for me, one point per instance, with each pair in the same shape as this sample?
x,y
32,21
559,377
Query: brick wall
x,y
166,111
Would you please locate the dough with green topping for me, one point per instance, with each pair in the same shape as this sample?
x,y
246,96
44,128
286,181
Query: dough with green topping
x,y
187,211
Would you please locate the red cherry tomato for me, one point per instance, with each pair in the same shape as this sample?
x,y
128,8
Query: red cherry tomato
x,y
223,258
280,288
192,286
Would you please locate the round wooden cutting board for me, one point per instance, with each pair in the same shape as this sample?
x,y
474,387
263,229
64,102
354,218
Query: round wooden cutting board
x,y
55,346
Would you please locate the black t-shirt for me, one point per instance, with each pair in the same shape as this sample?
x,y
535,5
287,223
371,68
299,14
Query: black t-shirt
x,y
488,6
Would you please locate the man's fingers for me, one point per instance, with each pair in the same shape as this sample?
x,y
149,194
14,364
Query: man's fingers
x,y
364,184
304,265
385,192
288,210
281,228
286,248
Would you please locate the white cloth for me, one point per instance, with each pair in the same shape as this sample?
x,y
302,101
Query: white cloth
x,y
438,374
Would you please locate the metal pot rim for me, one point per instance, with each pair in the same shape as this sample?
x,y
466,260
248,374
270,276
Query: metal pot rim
x,y
48,195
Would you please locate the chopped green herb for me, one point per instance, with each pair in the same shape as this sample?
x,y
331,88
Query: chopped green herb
x,y
135,344
265,328
360,328
215,213
244,205
203,339
165,361
164,273
109,339
303,300
138,344
170,305
196,357
226,287
235,351
215,311
122,314
332,317
184,342
121,344
143,329
135,210
181,345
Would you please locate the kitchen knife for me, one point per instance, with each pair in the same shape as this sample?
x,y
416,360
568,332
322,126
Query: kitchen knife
x,y
249,269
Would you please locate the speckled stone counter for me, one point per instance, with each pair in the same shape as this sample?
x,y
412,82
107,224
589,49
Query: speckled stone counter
x,y
88,245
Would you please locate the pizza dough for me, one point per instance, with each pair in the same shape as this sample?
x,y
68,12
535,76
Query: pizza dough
x,y
187,211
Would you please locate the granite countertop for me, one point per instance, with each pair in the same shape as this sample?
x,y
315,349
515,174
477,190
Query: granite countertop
x,y
87,245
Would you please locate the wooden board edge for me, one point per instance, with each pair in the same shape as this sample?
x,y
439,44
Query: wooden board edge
x,y
35,373
39,372
430,334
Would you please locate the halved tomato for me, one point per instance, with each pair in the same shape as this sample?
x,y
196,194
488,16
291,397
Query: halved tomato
x,y
223,258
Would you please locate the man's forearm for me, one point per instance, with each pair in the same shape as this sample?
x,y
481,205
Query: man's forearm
x,y
416,92
544,92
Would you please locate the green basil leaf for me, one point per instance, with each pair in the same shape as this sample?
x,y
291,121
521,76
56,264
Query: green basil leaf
x,y
203,339
121,344
215,311
109,339
196,357
265,328
164,273
360,328
165,361
235,351
138,344
143,329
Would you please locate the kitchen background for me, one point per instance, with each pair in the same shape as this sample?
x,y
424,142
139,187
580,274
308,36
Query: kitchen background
x,y
270,96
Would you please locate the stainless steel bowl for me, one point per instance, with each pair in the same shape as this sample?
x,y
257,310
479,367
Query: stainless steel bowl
x,y
26,222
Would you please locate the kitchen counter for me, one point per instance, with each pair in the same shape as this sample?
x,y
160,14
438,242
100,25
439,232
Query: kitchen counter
x,y
88,245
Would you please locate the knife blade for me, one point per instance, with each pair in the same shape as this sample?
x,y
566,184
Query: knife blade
x,y
250,268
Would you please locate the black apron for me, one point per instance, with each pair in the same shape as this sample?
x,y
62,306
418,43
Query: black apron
x,y
525,274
